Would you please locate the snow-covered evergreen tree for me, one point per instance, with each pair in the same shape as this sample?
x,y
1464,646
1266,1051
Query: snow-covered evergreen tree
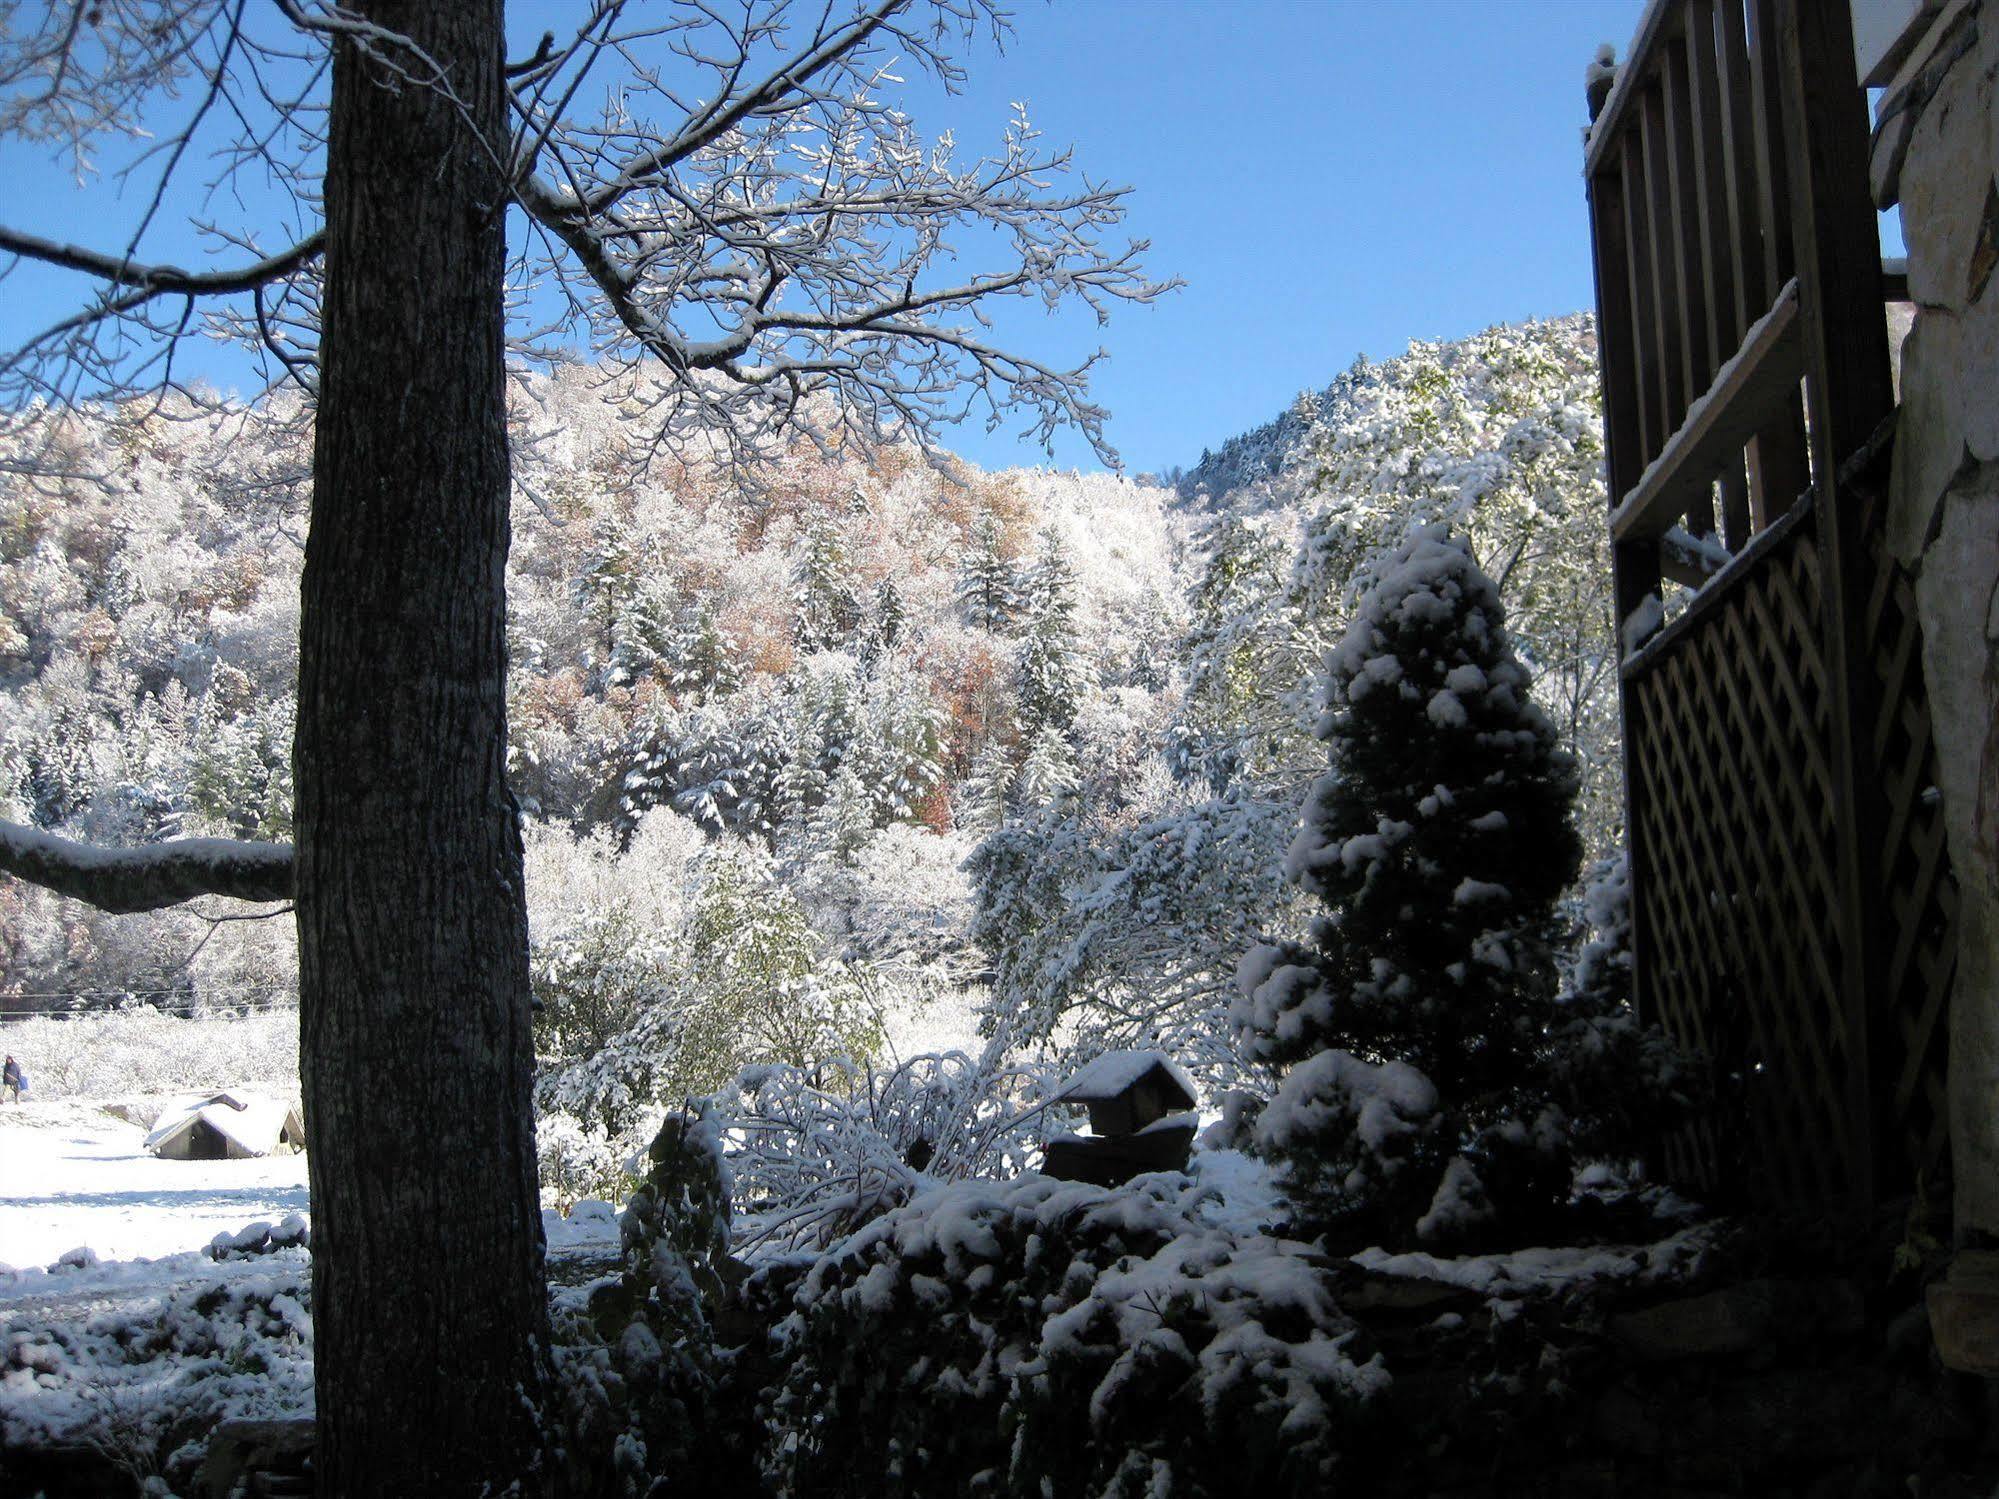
x,y
825,609
700,658
1048,773
1414,1022
988,581
981,802
1054,673
1247,647
888,618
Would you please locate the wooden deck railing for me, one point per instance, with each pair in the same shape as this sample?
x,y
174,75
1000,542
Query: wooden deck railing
x,y
1776,736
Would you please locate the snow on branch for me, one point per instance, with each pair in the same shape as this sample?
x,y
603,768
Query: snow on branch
x,y
157,280
145,879
791,237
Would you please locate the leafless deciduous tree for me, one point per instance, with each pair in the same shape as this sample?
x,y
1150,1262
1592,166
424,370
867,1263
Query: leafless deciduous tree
x,y
745,232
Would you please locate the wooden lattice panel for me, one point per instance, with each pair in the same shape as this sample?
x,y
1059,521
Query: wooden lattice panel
x,y
1911,1031
1729,734
1731,756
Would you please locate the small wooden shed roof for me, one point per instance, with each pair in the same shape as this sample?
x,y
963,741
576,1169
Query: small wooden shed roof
x,y
1117,1073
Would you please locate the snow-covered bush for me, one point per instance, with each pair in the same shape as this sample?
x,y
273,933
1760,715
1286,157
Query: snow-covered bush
x,y
1620,1082
816,1152
641,1381
1041,1337
652,998
116,1053
1128,935
577,1162
1416,1018
144,1380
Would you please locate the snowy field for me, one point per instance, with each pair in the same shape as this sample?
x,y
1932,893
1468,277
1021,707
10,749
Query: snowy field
x,y
74,1177
118,1330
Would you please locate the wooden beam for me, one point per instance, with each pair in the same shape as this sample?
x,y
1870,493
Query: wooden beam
x,y
1749,392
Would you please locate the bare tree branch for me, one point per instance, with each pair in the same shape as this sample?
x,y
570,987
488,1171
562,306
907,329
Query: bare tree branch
x,y
150,877
164,280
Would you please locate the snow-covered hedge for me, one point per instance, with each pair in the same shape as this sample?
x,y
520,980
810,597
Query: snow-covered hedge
x,y
644,1410
1042,1337
145,1378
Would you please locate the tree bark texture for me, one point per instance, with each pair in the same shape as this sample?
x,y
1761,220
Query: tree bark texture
x,y
416,1052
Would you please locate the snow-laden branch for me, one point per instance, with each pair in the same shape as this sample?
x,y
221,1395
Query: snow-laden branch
x,y
163,280
783,234
146,878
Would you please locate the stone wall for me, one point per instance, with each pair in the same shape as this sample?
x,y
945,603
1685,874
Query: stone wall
x,y
1936,152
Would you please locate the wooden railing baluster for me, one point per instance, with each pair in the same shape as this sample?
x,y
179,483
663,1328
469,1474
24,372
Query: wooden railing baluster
x,y
1752,290
1651,402
1736,524
1725,324
1670,329
1772,161
1689,251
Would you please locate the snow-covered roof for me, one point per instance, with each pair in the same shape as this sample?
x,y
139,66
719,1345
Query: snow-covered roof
x,y
253,1121
1116,1072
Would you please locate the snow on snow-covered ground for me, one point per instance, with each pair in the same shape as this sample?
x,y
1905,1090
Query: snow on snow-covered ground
x,y
146,1340
74,1177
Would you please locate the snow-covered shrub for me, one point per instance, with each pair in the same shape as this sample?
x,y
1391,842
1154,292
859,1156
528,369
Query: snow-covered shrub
x,y
1416,1018
115,1053
1236,1338
577,1162
648,1001
640,1386
1128,935
144,1380
1041,1337
1620,1082
815,1152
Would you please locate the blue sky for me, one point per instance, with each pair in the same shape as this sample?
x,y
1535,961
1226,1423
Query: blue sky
x,y
1330,177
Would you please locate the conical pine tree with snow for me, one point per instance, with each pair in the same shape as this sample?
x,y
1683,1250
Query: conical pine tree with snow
x,y
988,583
1414,1023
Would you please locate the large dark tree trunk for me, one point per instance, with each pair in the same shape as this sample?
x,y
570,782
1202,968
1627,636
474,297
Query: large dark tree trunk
x,y
428,1296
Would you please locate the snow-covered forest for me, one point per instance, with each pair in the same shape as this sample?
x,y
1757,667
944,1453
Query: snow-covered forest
x,y
875,758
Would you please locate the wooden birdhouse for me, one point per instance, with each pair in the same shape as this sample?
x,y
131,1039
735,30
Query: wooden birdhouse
x,y
1138,1103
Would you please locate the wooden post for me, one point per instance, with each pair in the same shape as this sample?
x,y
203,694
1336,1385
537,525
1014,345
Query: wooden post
x,y
1848,391
1634,565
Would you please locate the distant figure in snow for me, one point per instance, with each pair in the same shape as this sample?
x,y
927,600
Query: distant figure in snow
x,y
14,1080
